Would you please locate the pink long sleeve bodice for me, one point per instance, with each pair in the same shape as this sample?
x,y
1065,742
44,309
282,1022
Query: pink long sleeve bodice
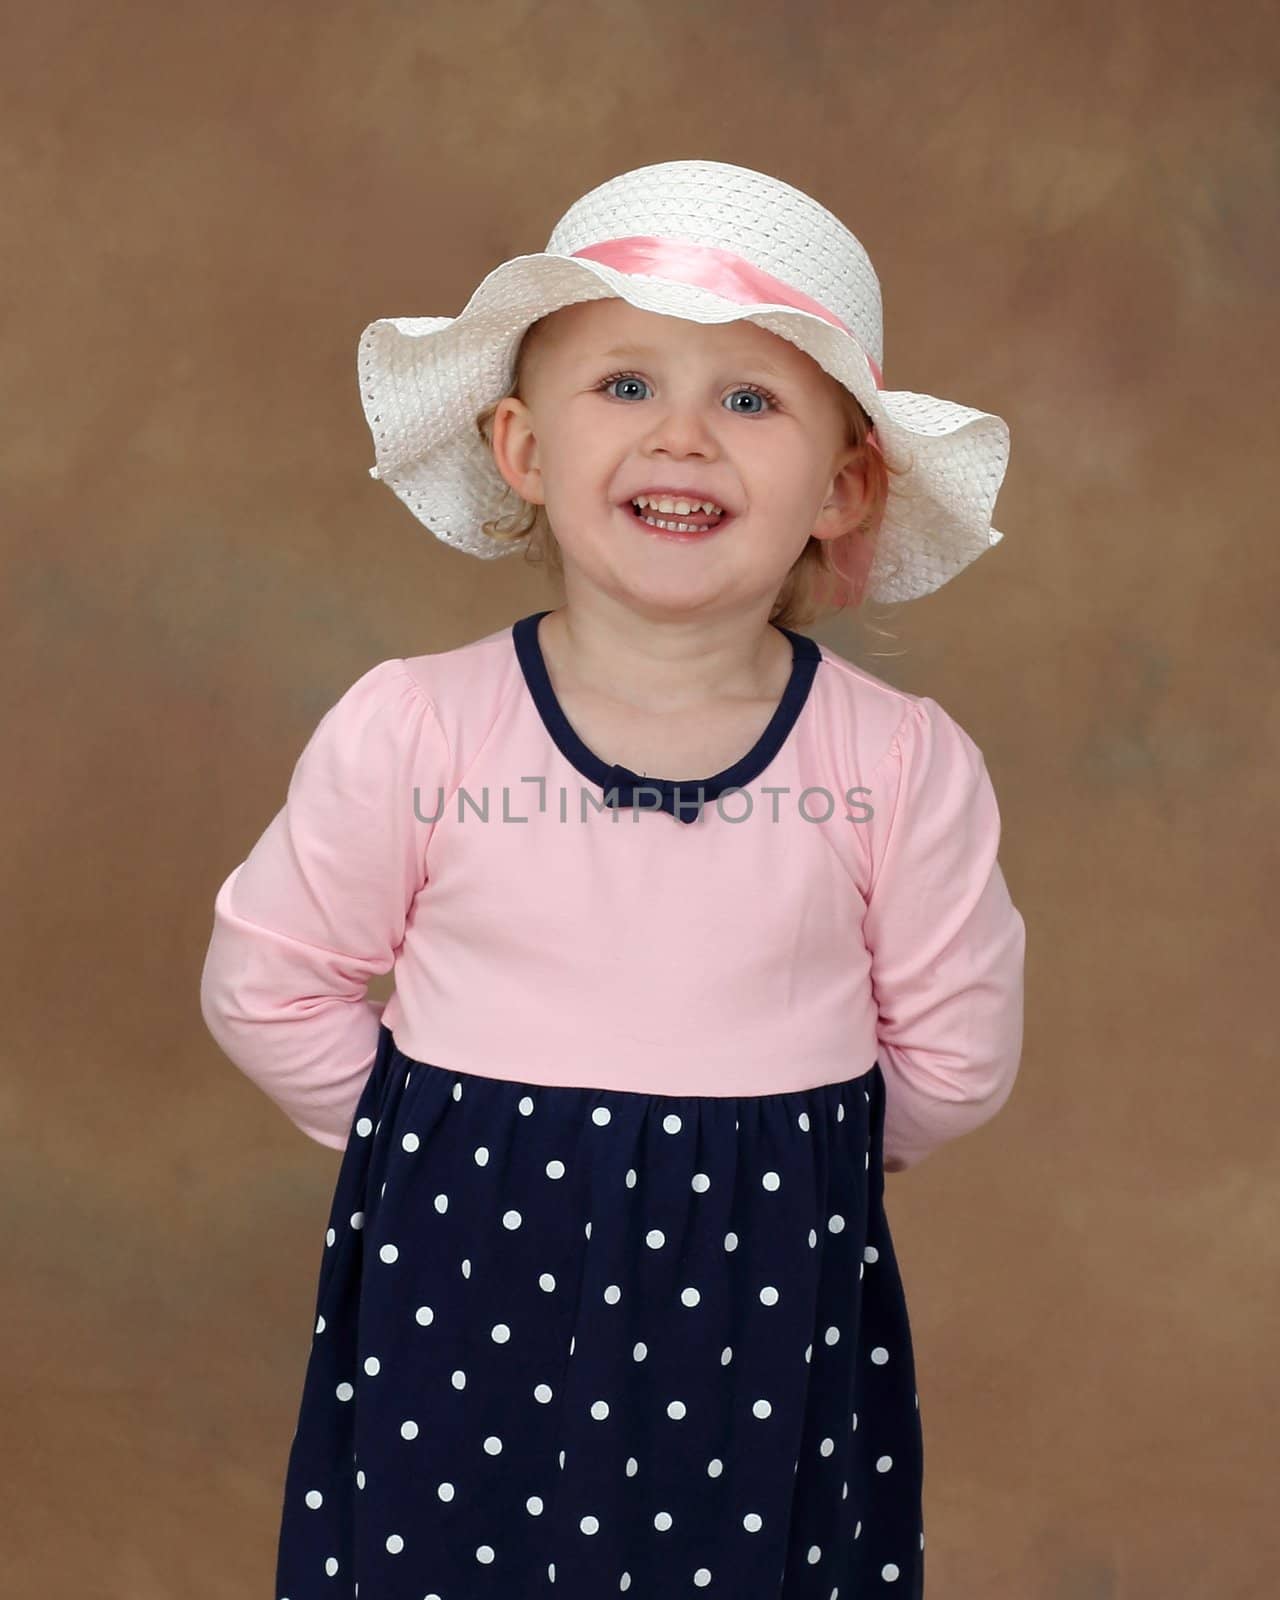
x,y
836,901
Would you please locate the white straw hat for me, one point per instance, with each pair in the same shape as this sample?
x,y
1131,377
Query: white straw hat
x,y
712,243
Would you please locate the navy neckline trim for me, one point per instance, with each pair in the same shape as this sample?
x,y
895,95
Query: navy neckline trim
x,y
683,797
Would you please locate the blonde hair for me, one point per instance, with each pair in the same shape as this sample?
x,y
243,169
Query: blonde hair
x,y
827,575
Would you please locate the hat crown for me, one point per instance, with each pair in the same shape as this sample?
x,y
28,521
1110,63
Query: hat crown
x,y
777,228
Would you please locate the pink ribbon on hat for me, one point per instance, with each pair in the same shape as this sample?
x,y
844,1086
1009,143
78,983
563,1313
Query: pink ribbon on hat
x,y
721,271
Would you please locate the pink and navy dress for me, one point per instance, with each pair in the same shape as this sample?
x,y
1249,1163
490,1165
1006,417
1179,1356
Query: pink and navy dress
x,y
608,1302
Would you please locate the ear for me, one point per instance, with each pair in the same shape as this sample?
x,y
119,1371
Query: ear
x,y
515,449
847,495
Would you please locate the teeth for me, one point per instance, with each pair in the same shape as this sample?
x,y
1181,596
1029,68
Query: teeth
x,y
681,507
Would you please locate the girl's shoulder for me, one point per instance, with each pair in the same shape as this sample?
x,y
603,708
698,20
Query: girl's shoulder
x,y
882,723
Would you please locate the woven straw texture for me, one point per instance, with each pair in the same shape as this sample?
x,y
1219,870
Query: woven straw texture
x,y
424,379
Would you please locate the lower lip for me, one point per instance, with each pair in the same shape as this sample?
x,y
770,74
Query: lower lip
x,y
699,536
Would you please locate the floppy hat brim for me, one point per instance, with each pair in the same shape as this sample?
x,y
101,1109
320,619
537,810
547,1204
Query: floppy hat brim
x,y
424,379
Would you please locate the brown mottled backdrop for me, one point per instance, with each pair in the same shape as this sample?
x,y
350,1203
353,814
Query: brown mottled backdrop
x,y
1073,210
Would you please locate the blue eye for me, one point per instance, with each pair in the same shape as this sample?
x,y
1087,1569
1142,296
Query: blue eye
x,y
745,388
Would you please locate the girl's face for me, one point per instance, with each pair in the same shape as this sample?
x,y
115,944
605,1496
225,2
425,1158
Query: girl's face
x,y
621,401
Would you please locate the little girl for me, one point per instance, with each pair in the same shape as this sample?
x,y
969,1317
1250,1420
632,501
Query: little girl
x,y
608,1301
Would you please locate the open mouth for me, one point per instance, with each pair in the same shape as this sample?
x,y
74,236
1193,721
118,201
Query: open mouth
x,y
690,527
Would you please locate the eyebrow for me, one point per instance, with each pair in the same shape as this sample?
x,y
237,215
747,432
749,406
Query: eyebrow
x,y
761,363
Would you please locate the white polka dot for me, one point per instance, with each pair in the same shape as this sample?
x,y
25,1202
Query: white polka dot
x,y
633,1466
888,1572
639,1350
631,1177
357,1220
500,1333
590,1524
372,1366
624,1582
314,1499
359,1480
883,1463
484,1554
814,1553
662,1521
330,1236
442,1203
700,1183
525,1104
458,1379
826,1447
425,1315
803,1120
726,1355
546,1282
702,1577
331,1566
879,1355
389,1252
835,1222
410,1142
457,1091
320,1325
715,1467
676,1409
612,1294
481,1160
493,1445
364,1127
511,1220
671,1123
445,1491
601,1116
768,1295
753,1522
771,1180
395,1544
344,1391
555,1169
813,1237
533,1505
832,1335
542,1393
871,1253
689,1297
655,1238
408,1430
599,1409
731,1241
762,1408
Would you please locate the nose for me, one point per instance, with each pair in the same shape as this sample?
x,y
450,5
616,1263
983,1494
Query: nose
x,y
681,430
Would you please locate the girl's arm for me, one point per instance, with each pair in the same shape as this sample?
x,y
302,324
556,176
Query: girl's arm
x,y
947,944
321,904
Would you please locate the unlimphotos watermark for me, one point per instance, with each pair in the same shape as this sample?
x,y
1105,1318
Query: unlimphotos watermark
x,y
815,803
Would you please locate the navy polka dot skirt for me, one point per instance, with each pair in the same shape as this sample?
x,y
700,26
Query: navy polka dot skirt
x,y
590,1342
